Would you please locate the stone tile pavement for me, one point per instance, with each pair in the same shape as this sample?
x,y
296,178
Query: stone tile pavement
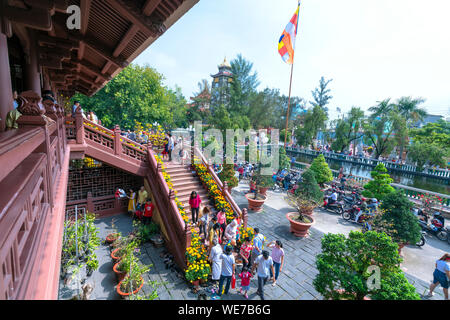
x,y
294,283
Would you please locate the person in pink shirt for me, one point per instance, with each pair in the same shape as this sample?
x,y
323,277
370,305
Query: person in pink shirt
x,y
222,221
245,276
194,202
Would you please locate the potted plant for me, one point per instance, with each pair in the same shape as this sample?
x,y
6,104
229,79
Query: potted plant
x,y
309,188
346,268
133,282
302,220
257,199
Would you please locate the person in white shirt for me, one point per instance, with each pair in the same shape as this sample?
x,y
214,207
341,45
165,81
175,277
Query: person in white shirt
x,y
441,275
264,263
231,230
216,261
228,269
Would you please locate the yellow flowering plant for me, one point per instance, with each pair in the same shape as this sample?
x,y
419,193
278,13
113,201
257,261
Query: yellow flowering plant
x,y
197,263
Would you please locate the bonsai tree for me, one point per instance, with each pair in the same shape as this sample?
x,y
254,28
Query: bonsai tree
x,y
380,186
284,161
262,181
321,170
344,268
304,207
308,188
228,174
398,212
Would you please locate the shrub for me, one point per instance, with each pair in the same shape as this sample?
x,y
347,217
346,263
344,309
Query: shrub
x,y
380,186
344,268
398,213
228,175
321,170
308,188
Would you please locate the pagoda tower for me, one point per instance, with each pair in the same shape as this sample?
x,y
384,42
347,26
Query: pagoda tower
x,y
220,88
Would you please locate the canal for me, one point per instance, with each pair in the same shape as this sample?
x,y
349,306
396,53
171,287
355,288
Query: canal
x,y
420,182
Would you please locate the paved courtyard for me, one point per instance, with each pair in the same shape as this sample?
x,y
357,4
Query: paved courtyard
x,y
294,283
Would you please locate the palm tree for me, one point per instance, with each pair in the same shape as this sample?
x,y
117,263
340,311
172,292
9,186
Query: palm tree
x,y
409,109
203,87
383,108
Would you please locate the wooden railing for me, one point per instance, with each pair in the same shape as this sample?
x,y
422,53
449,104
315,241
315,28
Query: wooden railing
x,y
84,131
31,159
390,165
223,186
179,233
410,192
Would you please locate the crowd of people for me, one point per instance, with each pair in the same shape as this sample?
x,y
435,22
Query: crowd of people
x,y
140,205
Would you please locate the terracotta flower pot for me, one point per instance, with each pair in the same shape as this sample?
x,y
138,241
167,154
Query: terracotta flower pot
x,y
400,247
196,283
263,191
119,274
299,229
115,256
110,238
126,294
255,205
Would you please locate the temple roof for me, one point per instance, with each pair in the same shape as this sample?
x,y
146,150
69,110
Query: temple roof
x,y
225,64
112,34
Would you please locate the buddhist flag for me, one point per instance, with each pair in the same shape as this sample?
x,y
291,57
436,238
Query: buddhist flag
x,y
286,45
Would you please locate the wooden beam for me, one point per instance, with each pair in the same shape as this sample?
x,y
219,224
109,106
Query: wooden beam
x,y
130,11
150,6
81,50
106,67
91,69
35,18
126,40
99,48
85,11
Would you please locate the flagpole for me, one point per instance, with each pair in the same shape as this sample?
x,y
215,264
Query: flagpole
x,y
289,103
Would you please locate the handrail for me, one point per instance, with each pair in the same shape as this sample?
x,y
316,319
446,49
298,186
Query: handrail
x,y
178,230
219,183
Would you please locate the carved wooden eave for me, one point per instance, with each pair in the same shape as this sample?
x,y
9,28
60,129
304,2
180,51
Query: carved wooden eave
x,y
113,33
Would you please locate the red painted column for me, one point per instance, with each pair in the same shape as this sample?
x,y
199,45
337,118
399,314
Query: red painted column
x,y
32,72
117,142
6,97
79,126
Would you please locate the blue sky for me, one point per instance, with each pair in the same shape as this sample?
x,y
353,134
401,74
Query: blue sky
x,y
372,49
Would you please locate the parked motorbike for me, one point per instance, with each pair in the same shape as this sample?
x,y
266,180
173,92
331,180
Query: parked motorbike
x,y
436,227
350,215
336,207
448,234
422,241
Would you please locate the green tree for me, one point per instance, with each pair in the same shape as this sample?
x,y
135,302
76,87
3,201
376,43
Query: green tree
x,y
423,153
380,186
314,120
398,212
136,93
344,272
321,170
308,188
321,95
433,133
408,109
284,161
348,129
380,128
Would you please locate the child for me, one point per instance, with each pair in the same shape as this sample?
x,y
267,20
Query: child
x,y
245,281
